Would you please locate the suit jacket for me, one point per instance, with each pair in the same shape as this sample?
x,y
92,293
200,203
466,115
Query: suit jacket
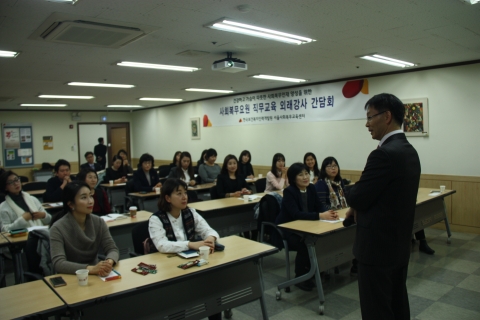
x,y
385,200
140,181
97,167
292,205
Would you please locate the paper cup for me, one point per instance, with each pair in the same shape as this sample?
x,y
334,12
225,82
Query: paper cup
x,y
245,197
82,277
204,252
111,182
157,190
260,176
442,189
133,212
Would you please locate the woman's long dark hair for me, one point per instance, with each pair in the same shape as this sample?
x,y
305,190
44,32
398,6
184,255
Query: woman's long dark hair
x,y
225,165
245,152
190,171
325,163
316,172
273,169
175,157
202,158
68,195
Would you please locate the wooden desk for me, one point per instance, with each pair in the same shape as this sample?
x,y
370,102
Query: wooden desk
x,y
330,245
141,197
29,299
232,278
228,215
3,243
36,192
109,188
199,187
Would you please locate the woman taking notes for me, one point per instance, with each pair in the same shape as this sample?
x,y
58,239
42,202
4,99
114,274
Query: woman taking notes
x,y
277,176
115,172
244,165
230,182
310,161
101,204
76,235
300,202
19,210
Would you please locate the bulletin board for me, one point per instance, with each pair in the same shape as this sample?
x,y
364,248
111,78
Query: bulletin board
x,y
17,145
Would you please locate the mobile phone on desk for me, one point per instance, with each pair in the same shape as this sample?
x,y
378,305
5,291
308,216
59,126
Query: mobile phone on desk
x,y
219,247
57,282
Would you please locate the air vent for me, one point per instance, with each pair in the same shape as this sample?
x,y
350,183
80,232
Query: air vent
x,y
89,33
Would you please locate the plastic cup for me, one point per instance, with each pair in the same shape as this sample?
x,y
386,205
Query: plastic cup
x,y
260,176
111,182
204,252
133,212
157,190
245,197
82,277
442,189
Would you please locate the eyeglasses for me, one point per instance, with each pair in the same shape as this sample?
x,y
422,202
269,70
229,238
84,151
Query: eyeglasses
x,y
371,117
9,183
331,167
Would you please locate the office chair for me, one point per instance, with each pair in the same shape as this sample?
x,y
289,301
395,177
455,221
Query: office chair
x,y
23,179
129,201
142,244
37,253
36,185
163,170
260,185
214,193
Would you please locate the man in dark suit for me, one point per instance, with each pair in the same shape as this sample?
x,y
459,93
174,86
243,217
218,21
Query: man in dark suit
x,y
100,151
383,204
90,164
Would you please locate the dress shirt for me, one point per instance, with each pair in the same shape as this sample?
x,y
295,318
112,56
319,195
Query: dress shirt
x,y
388,135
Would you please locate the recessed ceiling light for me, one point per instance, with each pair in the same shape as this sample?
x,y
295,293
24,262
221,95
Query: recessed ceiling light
x,y
123,106
470,1
159,99
108,85
156,66
387,60
64,97
264,76
42,105
236,27
64,1
8,54
209,90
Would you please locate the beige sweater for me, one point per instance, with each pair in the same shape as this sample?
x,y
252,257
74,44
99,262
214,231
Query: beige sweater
x,y
72,248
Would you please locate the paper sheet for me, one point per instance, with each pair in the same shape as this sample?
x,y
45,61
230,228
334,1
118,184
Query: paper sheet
x,y
333,221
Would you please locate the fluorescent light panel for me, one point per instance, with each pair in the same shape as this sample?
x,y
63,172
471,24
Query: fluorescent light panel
x,y
264,76
159,99
209,90
236,27
43,105
8,54
64,97
123,106
156,66
108,85
387,60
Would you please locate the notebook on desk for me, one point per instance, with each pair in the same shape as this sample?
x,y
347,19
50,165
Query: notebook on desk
x,y
187,254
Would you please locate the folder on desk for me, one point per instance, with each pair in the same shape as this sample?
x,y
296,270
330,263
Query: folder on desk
x,y
187,254
112,276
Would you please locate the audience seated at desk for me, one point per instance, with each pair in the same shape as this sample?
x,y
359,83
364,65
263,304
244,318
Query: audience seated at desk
x,y
244,164
19,210
300,202
184,169
55,185
76,235
146,178
175,228
209,170
230,182
127,169
176,159
116,171
277,176
310,161
101,205
90,162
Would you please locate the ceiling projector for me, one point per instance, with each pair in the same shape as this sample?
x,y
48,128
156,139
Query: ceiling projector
x,y
229,64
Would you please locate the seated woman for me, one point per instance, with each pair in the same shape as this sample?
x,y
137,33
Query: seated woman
x,y
209,170
115,172
101,205
244,165
55,185
125,165
330,185
230,182
184,170
146,178
277,176
76,235
300,202
175,227
19,210
311,162
176,159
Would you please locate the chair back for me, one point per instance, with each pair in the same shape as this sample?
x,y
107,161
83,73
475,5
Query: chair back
x,y
260,185
39,262
37,185
269,209
214,193
140,234
163,170
129,188
23,179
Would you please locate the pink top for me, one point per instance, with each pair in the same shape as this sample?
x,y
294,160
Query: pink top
x,y
274,183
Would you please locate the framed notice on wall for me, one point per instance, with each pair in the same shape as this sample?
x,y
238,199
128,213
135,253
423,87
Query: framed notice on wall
x,y
17,145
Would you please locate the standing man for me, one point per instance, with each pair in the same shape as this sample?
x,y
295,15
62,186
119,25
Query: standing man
x,y
90,164
383,204
100,152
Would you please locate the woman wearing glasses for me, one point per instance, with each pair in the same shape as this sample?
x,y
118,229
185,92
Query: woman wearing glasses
x,y
330,187
19,210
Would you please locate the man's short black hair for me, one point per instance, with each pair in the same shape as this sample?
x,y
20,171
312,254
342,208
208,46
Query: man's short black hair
x,y
100,139
388,102
88,153
61,162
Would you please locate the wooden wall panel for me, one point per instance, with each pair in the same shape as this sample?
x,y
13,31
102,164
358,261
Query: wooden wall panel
x,y
466,204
